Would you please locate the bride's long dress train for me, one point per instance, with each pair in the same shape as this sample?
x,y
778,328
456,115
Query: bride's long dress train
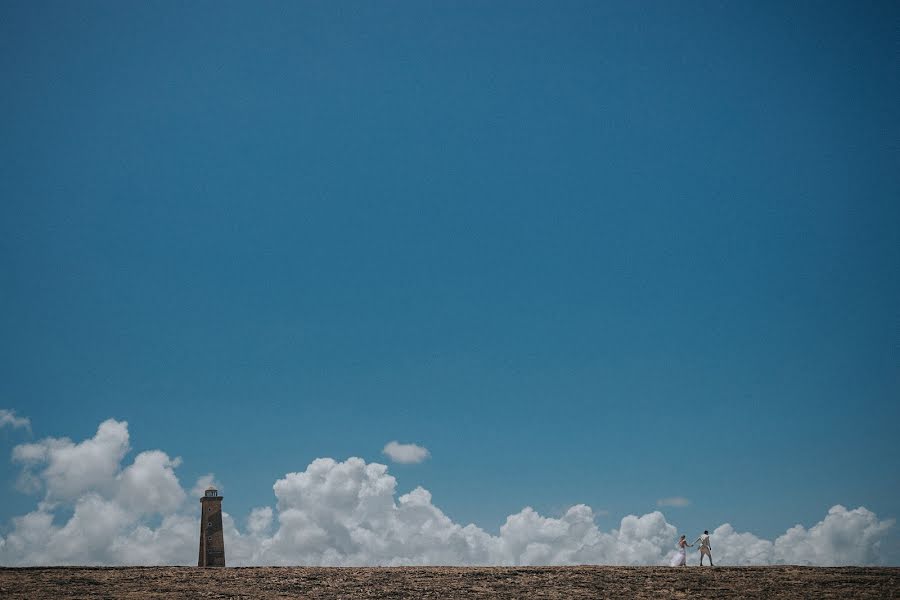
x,y
679,559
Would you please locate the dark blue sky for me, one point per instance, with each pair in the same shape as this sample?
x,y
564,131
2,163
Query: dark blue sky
x,y
583,252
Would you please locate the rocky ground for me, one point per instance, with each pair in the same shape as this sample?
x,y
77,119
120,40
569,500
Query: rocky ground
x,y
451,582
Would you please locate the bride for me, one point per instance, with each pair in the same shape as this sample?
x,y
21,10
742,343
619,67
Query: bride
x,y
680,557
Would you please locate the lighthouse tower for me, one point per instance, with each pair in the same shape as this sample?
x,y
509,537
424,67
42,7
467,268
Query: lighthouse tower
x,y
212,544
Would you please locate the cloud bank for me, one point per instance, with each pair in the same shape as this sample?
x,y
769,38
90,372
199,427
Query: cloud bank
x,y
95,511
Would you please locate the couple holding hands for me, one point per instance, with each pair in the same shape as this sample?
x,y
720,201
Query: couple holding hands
x,y
680,558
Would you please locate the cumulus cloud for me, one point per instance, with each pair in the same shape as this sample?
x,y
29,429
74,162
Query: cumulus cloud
x,y
260,520
844,537
203,482
8,417
676,501
67,470
350,513
149,484
734,548
110,505
405,453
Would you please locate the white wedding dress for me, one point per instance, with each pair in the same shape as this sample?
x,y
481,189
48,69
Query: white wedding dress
x,y
679,559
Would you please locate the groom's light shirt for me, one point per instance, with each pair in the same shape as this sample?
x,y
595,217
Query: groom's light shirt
x,y
704,541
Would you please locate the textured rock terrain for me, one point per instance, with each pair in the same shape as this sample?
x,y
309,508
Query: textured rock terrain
x,y
451,582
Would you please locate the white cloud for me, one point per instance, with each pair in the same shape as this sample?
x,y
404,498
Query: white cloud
x,y
730,547
676,501
149,484
109,504
69,469
173,542
350,513
203,482
8,417
405,453
260,520
845,537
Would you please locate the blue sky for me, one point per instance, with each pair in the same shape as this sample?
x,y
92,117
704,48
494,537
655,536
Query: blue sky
x,y
582,252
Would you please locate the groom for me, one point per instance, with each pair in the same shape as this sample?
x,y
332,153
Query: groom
x,y
705,548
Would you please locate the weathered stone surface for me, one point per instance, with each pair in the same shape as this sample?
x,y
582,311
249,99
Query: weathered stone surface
x,y
212,542
451,582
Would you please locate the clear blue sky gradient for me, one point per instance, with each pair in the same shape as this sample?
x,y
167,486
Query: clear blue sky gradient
x,y
583,252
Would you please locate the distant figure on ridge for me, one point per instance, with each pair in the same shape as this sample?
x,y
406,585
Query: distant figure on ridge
x,y
705,548
680,558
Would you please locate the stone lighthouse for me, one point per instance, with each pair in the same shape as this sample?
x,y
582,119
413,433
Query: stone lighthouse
x,y
212,544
